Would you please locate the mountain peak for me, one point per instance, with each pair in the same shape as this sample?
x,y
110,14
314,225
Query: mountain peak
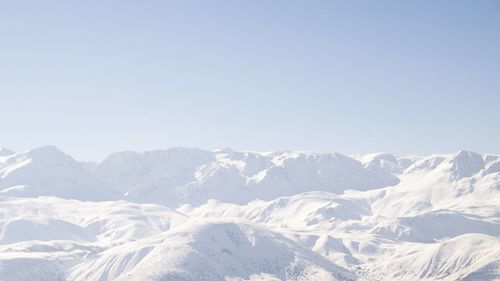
x,y
462,164
465,164
49,153
46,149
466,153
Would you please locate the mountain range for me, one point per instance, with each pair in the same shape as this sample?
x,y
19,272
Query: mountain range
x,y
192,214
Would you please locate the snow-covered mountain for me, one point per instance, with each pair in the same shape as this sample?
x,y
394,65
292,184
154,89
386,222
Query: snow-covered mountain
x,y
191,214
48,171
180,175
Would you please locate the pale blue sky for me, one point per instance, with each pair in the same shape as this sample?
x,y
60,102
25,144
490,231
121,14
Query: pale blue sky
x,y
95,77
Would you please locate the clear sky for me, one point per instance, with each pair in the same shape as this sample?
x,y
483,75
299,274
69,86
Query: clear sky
x,y
95,77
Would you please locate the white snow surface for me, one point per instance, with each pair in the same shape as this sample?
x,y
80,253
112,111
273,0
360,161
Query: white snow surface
x,y
192,214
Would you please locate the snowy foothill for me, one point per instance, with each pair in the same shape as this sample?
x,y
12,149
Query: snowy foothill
x,y
192,214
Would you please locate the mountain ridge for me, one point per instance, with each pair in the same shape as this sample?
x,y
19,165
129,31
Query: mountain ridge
x,y
191,214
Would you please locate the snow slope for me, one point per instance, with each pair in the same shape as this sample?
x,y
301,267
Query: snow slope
x,y
190,214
